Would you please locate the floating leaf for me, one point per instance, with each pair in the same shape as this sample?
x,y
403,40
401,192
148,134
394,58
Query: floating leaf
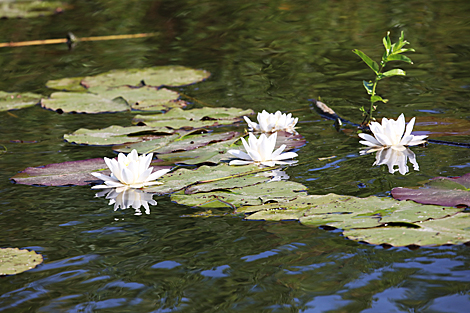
x,y
153,76
451,230
83,103
195,118
114,135
183,178
15,261
448,191
28,9
14,101
67,173
188,142
250,195
356,215
144,98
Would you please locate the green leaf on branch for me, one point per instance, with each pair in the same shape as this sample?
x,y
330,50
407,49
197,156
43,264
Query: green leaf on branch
x,y
371,63
399,57
369,86
394,72
376,98
387,43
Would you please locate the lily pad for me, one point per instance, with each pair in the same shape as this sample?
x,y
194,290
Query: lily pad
x,y
190,178
14,101
114,135
447,191
83,103
452,230
360,216
15,261
144,98
250,195
71,173
153,76
189,142
195,118
28,9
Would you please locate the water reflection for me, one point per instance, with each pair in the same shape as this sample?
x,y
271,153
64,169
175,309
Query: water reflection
x,y
276,175
394,156
128,197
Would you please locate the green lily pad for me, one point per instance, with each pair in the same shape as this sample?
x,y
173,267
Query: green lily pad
x,y
28,9
173,76
447,191
14,101
195,118
67,84
210,154
144,98
114,135
15,261
360,216
83,103
71,173
451,230
188,142
183,178
250,195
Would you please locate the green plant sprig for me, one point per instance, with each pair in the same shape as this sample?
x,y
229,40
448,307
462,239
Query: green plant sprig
x,y
393,52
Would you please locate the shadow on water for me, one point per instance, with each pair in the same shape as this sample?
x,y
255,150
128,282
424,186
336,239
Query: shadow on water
x,y
270,55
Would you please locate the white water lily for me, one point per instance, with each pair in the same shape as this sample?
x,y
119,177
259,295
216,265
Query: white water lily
x,y
273,122
396,156
126,197
129,171
391,133
261,151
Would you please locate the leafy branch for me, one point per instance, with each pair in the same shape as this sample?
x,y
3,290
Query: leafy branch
x,y
393,52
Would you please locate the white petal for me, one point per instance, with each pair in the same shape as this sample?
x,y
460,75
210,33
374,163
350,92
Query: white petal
x,y
286,155
240,162
370,139
278,151
239,154
127,176
157,174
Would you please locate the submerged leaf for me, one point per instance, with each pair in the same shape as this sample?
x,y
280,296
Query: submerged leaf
x,y
28,9
15,261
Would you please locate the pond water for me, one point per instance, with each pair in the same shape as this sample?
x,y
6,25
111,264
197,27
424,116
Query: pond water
x,y
272,55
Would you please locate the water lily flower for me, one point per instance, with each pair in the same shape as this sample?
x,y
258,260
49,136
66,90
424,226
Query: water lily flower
x,y
129,171
126,197
260,151
273,122
396,156
391,133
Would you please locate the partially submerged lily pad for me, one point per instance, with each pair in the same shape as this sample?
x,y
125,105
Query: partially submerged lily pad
x,y
14,101
173,76
15,261
72,173
448,191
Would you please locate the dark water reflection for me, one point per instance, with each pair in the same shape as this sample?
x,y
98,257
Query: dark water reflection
x,y
270,55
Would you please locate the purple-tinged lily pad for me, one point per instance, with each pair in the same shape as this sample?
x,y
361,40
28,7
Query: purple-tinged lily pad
x,y
447,191
70,173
